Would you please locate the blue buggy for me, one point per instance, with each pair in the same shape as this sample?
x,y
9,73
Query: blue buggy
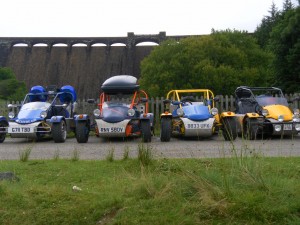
x,y
46,112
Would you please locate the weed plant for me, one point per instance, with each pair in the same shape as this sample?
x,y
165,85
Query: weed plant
x,y
126,153
24,155
145,154
76,155
110,155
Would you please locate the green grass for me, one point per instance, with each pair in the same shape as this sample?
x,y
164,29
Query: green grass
x,y
246,190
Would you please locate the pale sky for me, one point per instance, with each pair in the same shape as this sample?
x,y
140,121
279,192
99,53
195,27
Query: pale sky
x,y
98,18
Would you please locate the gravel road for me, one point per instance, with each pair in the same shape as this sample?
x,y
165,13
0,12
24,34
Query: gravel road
x,y
98,148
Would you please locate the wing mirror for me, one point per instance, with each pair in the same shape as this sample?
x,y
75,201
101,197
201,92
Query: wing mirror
x,y
12,106
176,103
216,99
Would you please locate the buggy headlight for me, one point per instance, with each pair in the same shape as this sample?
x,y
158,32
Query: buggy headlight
x,y
278,128
43,114
11,115
97,112
297,127
296,112
131,112
265,112
214,111
180,112
296,118
280,118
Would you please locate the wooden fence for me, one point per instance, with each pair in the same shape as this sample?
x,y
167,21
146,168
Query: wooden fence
x,y
156,106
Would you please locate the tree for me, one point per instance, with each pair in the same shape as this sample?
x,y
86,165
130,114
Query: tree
x,y
10,87
287,5
263,31
285,44
220,62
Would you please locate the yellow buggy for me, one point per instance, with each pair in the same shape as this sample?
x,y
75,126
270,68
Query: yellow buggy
x,y
264,111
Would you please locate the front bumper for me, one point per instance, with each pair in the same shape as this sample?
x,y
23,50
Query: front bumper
x,y
106,129
26,130
198,128
282,128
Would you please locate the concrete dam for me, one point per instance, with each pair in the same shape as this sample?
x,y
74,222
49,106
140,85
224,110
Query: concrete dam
x,y
84,67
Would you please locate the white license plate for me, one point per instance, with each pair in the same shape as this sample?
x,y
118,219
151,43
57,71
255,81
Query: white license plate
x,y
198,126
287,126
112,130
20,130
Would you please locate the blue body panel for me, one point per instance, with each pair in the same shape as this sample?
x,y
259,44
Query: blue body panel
x,y
30,112
196,112
2,118
115,113
56,119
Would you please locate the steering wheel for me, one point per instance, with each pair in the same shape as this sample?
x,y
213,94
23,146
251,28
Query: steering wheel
x,y
186,101
258,109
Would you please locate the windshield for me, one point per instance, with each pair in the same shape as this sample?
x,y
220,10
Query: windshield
x,y
35,105
118,100
264,101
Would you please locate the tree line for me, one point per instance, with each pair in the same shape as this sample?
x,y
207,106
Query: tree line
x,y
226,59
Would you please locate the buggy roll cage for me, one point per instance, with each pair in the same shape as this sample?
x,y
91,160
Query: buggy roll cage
x,y
208,95
247,92
137,95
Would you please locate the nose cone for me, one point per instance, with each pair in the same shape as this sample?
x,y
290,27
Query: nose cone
x,y
277,110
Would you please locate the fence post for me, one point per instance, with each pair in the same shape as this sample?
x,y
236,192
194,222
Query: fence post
x,y
222,103
162,104
226,102
232,103
152,105
157,110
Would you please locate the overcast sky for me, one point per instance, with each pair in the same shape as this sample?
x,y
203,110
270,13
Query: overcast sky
x,y
98,18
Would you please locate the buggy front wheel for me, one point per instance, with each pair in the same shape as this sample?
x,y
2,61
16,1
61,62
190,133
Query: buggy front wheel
x,y
165,129
59,132
82,132
146,130
229,128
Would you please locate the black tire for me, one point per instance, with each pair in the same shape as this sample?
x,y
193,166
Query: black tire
x,y
2,128
229,128
250,128
82,132
59,132
146,130
165,129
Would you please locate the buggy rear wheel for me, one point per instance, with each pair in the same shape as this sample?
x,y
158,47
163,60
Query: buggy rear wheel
x,y
82,132
146,130
165,129
250,128
229,128
59,132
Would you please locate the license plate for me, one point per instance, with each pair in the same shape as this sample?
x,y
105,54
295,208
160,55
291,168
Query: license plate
x,y
20,130
287,126
198,126
111,130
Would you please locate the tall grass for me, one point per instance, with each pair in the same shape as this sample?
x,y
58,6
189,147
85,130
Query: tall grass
x,y
24,155
110,155
145,154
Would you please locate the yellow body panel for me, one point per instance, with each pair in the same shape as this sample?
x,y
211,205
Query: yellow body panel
x,y
252,115
277,110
